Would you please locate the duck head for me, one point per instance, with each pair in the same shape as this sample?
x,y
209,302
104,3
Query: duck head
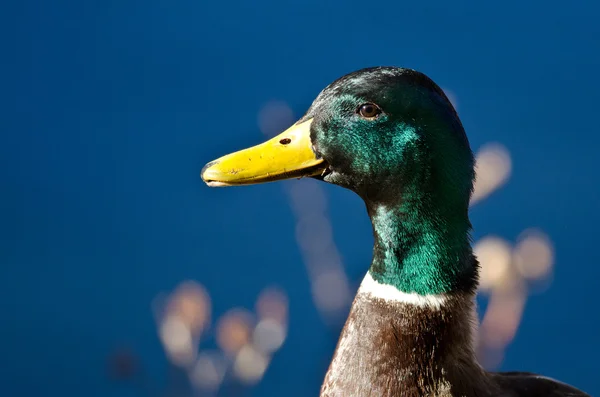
x,y
382,132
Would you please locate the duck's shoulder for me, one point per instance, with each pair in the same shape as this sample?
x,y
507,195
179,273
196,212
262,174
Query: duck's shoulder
x,y
527,384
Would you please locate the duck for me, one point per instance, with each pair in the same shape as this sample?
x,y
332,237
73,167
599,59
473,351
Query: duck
x,y
393,137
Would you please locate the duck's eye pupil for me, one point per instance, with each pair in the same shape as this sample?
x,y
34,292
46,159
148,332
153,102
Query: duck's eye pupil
x,y
368,110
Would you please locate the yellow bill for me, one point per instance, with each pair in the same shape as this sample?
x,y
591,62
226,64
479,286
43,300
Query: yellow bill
x,y
288,155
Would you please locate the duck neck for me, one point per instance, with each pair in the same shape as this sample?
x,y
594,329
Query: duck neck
x,y
410,326
422,248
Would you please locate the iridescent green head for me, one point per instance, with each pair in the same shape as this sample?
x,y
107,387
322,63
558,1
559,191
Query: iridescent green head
x,y
391,134
393,137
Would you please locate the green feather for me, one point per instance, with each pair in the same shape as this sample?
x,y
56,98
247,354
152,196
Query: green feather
x,y
413,167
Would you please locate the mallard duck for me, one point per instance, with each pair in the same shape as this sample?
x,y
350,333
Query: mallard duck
x,y
392,136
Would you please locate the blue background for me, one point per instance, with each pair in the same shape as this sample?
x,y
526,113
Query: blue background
x,y
109,110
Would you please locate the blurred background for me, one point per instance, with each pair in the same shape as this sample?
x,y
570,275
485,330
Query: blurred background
x,y
122,274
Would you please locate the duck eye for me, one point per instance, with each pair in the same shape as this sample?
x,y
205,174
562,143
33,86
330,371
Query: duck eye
x,y
369,110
